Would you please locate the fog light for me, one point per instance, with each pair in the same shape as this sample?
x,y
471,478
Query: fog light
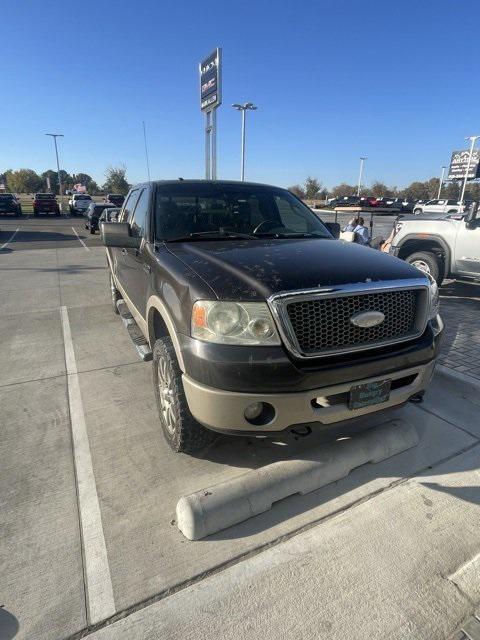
x,y
253,411
259,413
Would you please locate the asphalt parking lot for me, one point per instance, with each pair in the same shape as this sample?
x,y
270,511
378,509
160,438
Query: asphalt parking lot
x,y
88,537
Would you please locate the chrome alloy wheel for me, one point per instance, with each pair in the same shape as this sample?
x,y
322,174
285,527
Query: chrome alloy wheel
x,y
422,265
166,395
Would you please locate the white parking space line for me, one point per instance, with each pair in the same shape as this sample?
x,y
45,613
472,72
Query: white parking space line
x,y
99,590
80,240
10,239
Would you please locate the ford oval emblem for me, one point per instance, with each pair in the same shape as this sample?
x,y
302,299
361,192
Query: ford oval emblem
x,y
366,319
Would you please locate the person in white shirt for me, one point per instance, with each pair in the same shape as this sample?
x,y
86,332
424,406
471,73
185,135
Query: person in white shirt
x,y
362,234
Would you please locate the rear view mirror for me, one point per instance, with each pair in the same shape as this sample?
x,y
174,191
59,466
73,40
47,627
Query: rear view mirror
x,y
117,234
334,229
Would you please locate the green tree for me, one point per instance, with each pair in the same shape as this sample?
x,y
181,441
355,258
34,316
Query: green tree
x,y
416,191
312,188
116,181
297,190
432,187
23,181
379,189
451,190
343,189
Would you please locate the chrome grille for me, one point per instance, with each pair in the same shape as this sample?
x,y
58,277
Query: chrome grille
x,y
323,324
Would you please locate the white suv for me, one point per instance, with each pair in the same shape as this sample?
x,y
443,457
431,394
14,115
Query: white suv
x,y
438,206
79,203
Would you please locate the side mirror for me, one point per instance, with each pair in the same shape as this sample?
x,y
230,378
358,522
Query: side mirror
x,y
334,229
471,217
117,234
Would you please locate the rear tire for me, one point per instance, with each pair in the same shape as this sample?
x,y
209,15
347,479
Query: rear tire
x,y
92,231
428,262
181,430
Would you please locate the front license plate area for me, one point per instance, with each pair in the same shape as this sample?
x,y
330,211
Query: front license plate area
x,y
366,395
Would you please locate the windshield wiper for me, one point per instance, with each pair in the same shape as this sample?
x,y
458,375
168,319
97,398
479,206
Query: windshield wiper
x,y
291,234
213,235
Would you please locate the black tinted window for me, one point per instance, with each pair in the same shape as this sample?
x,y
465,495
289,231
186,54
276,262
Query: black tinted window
x,y
140,215
185,209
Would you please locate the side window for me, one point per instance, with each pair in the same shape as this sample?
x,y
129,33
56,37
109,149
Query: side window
x,y
291,216
129,206
442,202
451,202
140,214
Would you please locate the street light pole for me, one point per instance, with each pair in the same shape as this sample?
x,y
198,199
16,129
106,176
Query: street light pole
x,y
362,160
60,190
441,183
243,108
146,150
472,139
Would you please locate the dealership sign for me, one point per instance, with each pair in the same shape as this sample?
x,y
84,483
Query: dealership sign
x,y
211,81
459,164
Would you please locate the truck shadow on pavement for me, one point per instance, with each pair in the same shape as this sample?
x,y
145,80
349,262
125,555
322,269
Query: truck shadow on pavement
x,y
9,625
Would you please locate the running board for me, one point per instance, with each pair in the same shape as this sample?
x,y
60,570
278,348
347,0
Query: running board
x,y
139,341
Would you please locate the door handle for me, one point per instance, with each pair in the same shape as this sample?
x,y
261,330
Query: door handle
x,y
146,267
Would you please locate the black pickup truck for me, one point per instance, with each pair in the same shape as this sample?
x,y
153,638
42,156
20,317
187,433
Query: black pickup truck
x,y
257,318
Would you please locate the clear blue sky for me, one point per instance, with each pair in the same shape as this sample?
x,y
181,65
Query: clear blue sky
x,y
333,80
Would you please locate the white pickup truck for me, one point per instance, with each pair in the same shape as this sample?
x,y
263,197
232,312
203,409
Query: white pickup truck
x,y
79,203
445,246
438,206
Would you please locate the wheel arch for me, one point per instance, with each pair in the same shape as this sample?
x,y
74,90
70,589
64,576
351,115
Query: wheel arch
x,y
160,323
426,242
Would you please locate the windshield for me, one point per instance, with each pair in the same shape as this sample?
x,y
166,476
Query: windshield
x,y
44,196
6,196
184,210
82,197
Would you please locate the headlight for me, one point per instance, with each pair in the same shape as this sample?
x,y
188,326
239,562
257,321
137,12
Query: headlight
x,y
247,323
434,298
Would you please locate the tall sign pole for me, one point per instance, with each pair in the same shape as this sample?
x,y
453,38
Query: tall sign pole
x,y
441,183
472,139
210,70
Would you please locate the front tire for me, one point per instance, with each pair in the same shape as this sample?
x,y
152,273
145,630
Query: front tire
x,y
428,262
181,430
417,212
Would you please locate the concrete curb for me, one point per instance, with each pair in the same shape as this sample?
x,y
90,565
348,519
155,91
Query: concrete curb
x,y
210,510
458,375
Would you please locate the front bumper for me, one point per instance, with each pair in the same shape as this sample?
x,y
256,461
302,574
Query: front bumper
x,y
224,410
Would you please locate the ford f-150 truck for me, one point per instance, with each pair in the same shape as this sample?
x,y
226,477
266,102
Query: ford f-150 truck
x,y
442,246
257,319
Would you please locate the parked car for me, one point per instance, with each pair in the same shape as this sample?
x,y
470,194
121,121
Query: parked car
x,y
45,203
9,204
93,213
79,203
346,201
385,202
442,245
439,206
115,198
368,201
325,332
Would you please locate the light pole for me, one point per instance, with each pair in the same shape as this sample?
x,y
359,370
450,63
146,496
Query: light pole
x,y
472,139
362,160
146,150
248,106
55,136
441,183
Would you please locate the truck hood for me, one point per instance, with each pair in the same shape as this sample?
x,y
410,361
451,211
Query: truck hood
x,y
256,269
